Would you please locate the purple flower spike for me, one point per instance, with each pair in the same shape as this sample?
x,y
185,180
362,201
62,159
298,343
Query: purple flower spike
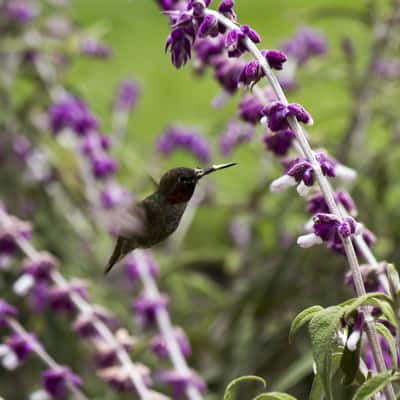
x,y
94,143
355,332
127,95
15,228
235,40
317,204
55,381
93,48
226,8
251,73
159,347
277,114
234,135
373,278
326,227
114,195
227,72
280,142
6,310
145,307
103,165
84,323
275,58
180,382
175,137
20,345
131,266
207,49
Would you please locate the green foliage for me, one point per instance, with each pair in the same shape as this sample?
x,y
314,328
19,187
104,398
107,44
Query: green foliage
x,y
274,396
228,395
375,384
301,319
390,340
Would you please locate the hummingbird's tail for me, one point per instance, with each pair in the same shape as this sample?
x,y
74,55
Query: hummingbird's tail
x,y
117,254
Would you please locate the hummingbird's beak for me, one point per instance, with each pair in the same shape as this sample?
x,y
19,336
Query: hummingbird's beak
x,y
200,172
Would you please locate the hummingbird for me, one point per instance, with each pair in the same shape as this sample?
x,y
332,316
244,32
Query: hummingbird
x,y
159,215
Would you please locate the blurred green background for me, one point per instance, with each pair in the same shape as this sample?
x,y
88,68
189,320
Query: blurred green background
x,y
235,305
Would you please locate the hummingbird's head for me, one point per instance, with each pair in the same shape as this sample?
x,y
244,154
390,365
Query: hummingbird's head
x,y
178,184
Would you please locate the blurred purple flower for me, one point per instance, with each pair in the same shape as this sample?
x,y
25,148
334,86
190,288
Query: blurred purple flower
x,y
6,310
131,266
250,109
279,142
102,165
227,72
84,324
239,232
59,298
176,137
306,43
71,113
127,95
387,68
180,382
316,203
20,11
93,143
14,228
91,47
113,195
235,40
158,345
20,346
55,381
234,134
374,278
145,307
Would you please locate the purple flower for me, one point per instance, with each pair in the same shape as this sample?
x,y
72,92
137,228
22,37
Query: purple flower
x,y
114,195
131,265
21,346
145,307
22,147
84,323
387,68
316,203
55,381
6,311
20,11
209,27
234,135
305,44
59,298
103,165
275,58
331,229
15,228
176,137
277,114
206,49
71,113
279,142
127,95
93,143
226,9
235,40
374,278
239,232
91,47
158,345
179,43
180,382
355,332
250,109
227,72
118,378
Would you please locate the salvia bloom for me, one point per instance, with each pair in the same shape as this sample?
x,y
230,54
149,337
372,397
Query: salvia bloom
x,y
159,347
127,95
374,278
20,11
250,108
277,114
132,269
94,143
316,203
305,44
178,138
279,142
234,40
180,382
91,47
14,228
227,72
59,298
234,134
84,324
206,50
71,113
15,349
145,307
55,381
252,71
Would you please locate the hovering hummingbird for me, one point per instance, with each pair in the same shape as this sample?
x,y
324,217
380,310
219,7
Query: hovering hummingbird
x,y
160,213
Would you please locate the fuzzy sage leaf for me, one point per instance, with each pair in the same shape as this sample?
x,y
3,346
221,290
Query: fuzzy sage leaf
x,y
274,396
384,331
374,385
301,319
235,382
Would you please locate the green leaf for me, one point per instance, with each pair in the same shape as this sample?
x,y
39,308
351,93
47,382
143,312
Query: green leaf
x,y
352,304
274,396
384,331
322,329
317,390
350,363
302,319
387,310
374,385
246,378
